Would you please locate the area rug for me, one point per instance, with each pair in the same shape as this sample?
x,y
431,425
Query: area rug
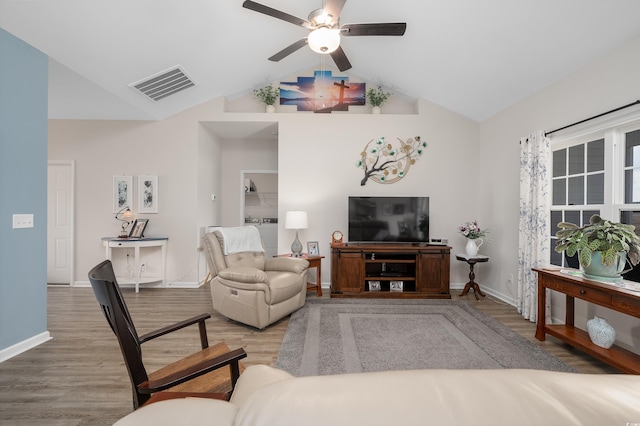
x,y
334,336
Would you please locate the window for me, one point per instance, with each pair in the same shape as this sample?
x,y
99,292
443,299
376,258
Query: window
x,y
596,172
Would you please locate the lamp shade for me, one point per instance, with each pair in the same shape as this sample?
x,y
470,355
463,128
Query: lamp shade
x,y
324,40
128,215
296,220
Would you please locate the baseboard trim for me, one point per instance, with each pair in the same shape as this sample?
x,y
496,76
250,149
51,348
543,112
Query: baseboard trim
x,y
175,284
325,287
24,346
184,284
487,290
458,287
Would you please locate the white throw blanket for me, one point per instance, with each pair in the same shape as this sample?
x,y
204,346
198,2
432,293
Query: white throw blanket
x,y
241,239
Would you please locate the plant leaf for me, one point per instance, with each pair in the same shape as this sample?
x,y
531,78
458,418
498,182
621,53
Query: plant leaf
x,y
585,257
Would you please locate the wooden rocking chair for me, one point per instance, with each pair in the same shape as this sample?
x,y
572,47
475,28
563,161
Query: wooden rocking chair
x,y
196,375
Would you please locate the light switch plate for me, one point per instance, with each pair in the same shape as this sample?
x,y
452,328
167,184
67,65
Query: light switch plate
x,y
22,221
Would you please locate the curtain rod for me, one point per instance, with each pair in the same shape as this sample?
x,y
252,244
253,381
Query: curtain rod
x,y
592,118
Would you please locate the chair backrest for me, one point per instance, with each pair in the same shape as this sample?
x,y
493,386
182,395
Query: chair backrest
x,y
214,255
114,308
217,260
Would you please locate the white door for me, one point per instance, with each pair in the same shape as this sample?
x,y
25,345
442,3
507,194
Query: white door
x,y
60,223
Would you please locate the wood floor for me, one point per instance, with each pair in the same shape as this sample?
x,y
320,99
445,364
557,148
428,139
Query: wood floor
x,y
79,378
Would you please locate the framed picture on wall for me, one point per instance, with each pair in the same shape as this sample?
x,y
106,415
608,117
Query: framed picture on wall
x,y
122,192
137,230
148,194
312,248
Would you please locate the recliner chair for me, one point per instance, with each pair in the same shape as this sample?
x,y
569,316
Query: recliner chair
x,y
247,286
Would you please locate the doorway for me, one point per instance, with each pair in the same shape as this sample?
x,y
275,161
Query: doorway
x,y
60,207
259,205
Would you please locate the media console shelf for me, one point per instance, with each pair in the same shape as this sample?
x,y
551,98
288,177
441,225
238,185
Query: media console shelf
x,y
390,270
607,295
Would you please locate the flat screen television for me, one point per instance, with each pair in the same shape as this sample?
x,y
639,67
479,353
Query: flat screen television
x,y
388,219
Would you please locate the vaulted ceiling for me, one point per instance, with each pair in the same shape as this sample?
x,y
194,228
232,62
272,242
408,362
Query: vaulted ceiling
x,y
475,57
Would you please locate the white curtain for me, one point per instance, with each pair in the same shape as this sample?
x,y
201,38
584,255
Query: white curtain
x,y
534,234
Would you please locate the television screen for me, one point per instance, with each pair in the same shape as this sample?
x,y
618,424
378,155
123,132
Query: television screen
x,y
389,219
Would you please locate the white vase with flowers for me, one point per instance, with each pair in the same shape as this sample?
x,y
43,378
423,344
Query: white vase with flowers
x,y
473,233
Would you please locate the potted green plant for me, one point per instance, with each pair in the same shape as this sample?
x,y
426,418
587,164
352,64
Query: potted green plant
x,y
268,95
603,247
375,97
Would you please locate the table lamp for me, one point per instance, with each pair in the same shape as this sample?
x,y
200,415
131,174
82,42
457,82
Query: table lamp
x,y
126,217
296,220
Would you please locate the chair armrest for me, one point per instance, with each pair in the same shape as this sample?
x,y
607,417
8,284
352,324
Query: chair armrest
x,y
286,264
198,369
198,319
244,274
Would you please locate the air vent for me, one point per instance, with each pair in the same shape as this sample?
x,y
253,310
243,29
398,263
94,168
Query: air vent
x,y
163,84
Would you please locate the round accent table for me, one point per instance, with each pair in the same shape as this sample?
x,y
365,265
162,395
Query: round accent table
x,y
472,260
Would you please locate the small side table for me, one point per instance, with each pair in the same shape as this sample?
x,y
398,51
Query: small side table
x,y
111,243
315,261
472,260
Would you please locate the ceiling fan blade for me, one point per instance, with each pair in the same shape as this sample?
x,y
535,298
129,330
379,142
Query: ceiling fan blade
x,y
385,29
340,59
288,50
257,7
334,7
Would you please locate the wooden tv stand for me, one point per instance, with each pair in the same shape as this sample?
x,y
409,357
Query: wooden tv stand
x,y
390,271
607,295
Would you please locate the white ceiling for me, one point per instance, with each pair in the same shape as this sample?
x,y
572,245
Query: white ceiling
x,y
475,57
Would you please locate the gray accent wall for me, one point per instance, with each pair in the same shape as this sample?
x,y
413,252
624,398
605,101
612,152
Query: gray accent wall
x,y
23,189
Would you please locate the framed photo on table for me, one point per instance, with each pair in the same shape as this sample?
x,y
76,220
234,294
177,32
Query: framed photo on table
x,y
137,230
374,286
312,248
148,194
396,285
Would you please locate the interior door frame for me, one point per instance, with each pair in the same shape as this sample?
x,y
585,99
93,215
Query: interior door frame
x,y
243,172
72,202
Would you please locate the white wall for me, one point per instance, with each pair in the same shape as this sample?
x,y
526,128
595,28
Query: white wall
x,y
316,160
608,83
317,172
209,177
470,170
106,148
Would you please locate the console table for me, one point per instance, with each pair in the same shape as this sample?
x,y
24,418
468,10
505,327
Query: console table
x,y
111,243
603,294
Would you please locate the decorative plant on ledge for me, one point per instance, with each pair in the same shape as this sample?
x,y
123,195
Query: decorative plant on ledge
x,y
599,235
267,94
384,163
376,96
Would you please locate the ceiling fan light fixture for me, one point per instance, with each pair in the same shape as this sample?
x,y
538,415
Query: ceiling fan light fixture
x,y
324,40
320,18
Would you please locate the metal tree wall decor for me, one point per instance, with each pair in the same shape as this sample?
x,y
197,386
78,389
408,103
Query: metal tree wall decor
x,y
383,162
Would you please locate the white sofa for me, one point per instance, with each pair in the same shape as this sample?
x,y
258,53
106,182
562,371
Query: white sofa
x,y
268,396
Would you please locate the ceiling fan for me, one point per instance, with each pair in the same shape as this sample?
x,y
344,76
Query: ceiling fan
x,y
326,31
